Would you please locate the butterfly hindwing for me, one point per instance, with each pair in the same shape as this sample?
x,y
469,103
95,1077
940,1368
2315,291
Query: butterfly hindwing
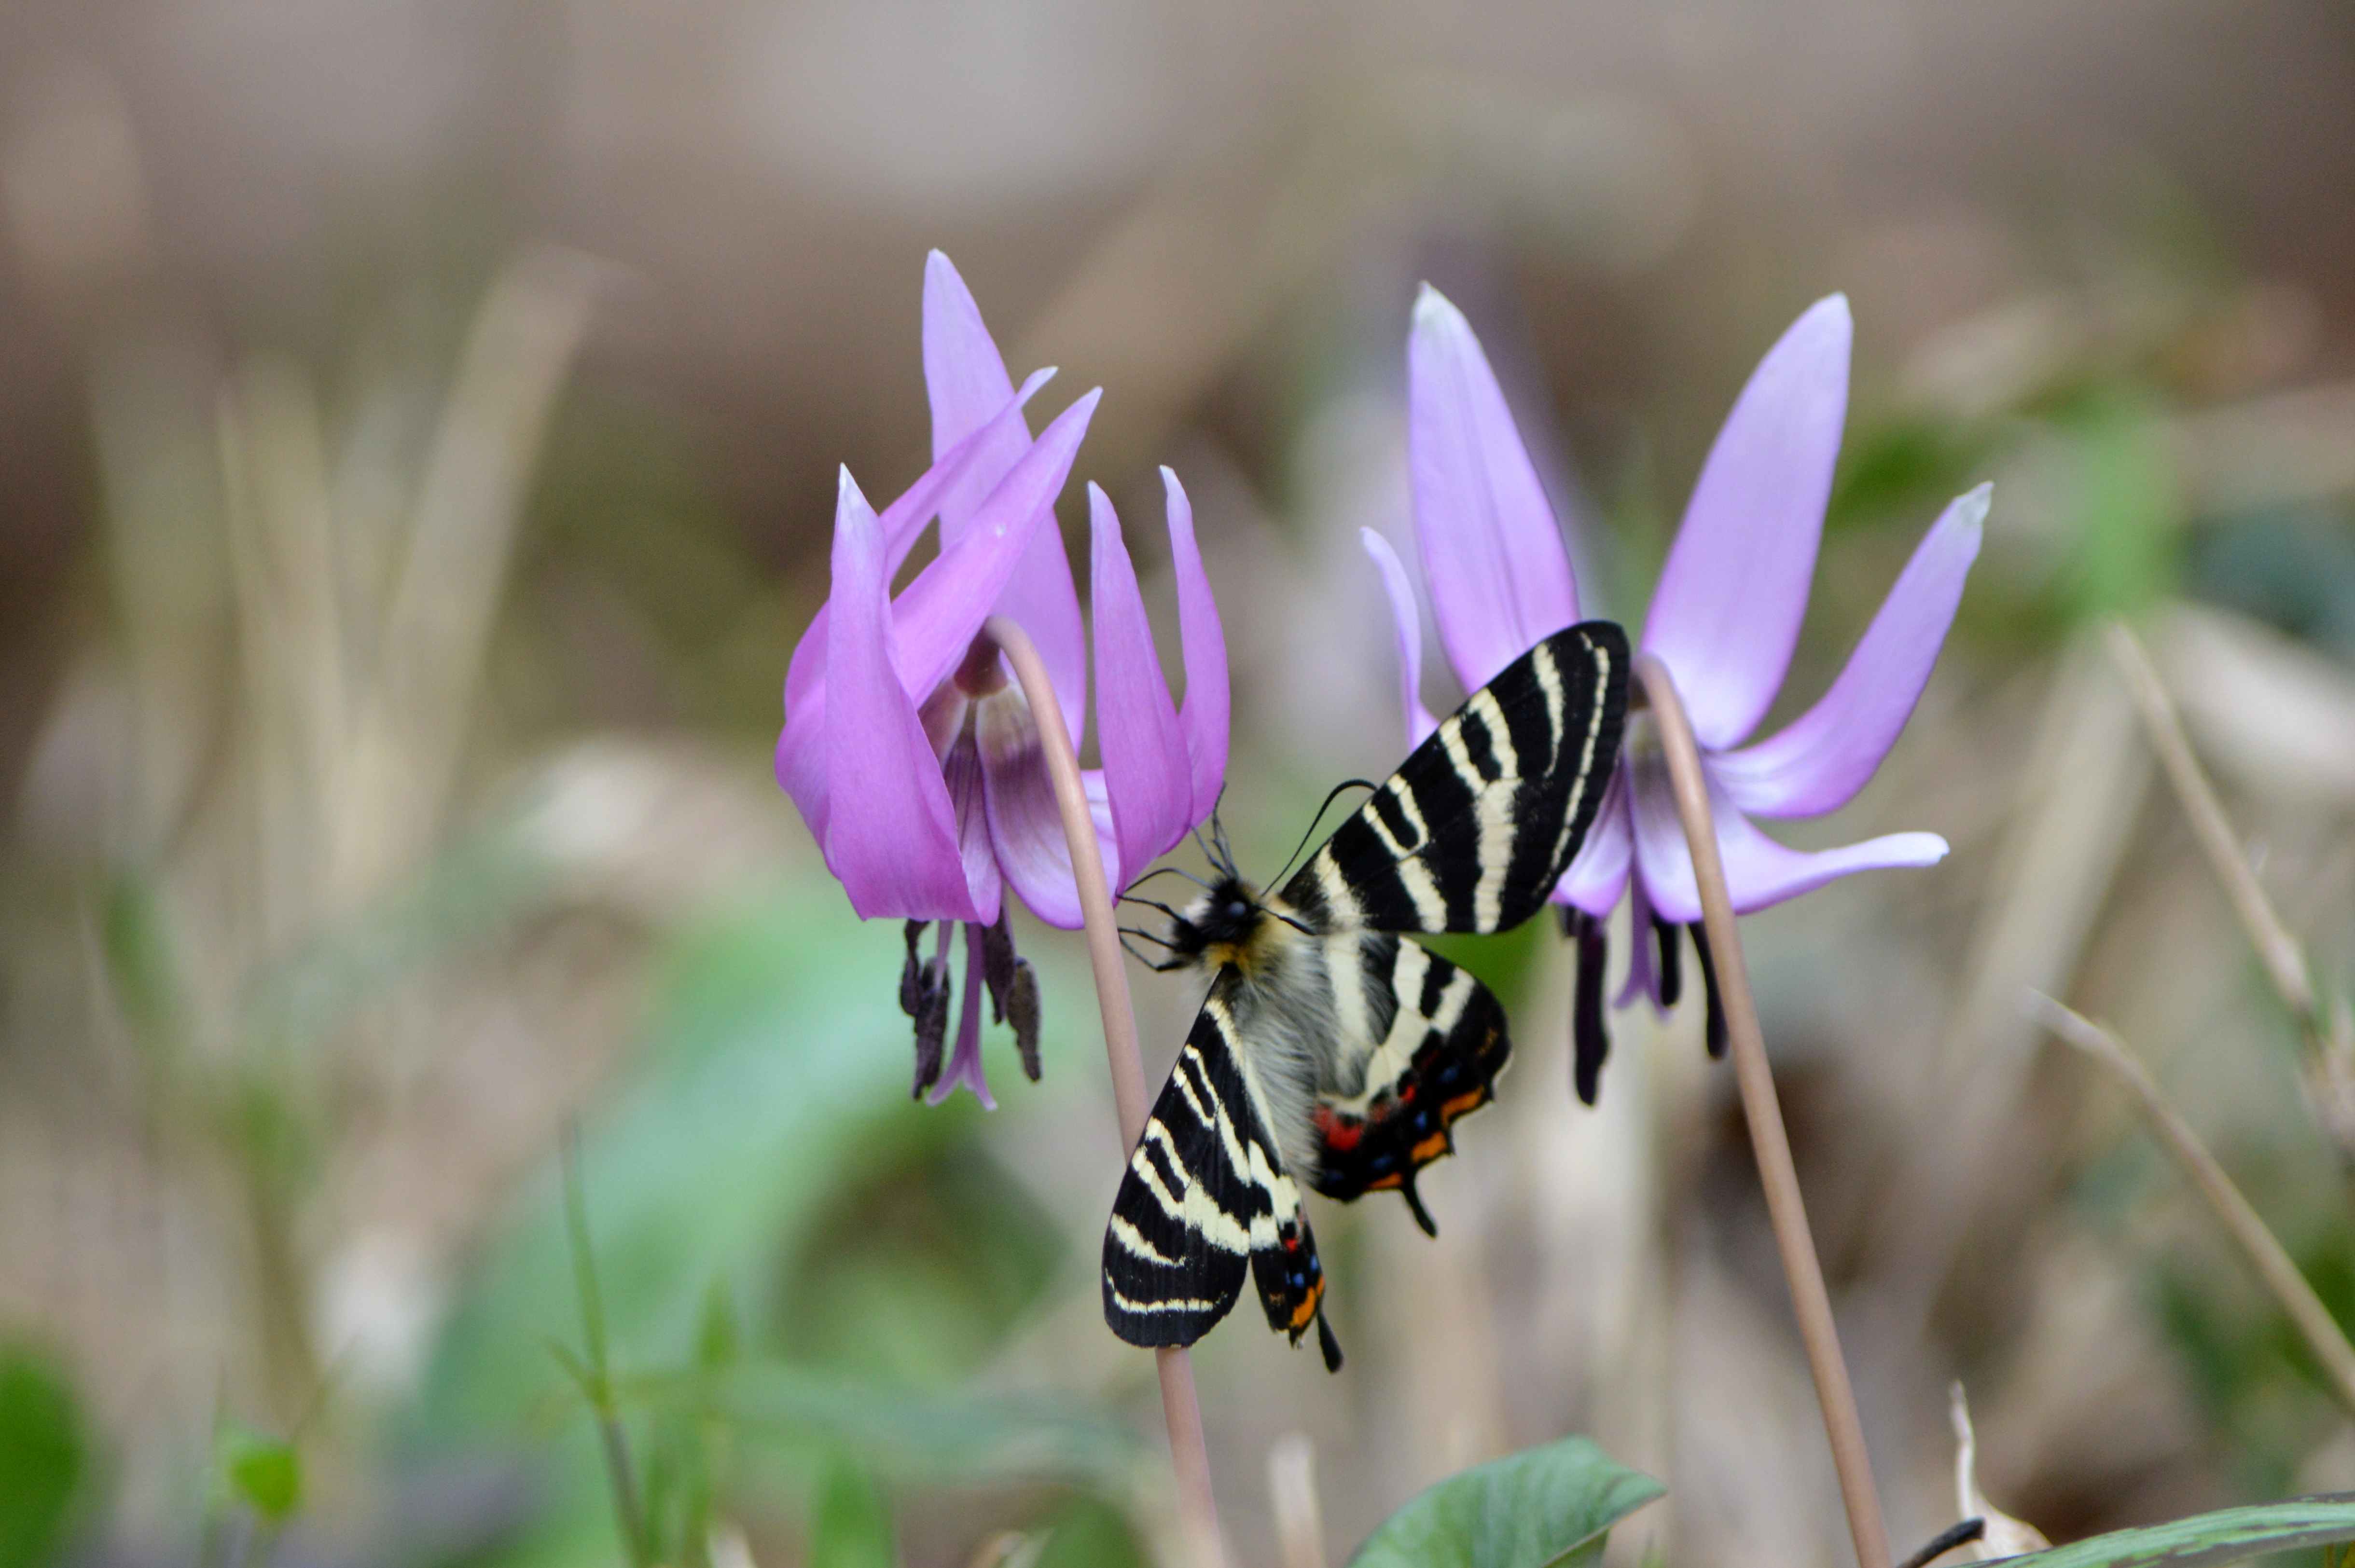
x,y
1205,1200
1393,1098
1477,826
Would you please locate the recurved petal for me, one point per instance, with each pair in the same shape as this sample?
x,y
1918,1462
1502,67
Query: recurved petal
x,y
1204,714
801,759
1493,556
1759,872
902,524
1598,872
942,609
968,385
890,831
1823,758
1727,612
1407,628
1145,760
1025,827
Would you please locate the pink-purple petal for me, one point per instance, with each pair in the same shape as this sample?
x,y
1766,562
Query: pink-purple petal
x,y
1145,760
1493,557
1643,973
801,759
961,771
1825,757
1026,827
1598,872
891,831
967,382
1406,626
1759,872
902,524
1203,716
942,609
1726,614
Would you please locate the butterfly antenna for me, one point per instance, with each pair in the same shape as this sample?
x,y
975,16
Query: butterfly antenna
x,y
1151,903
1219,837
1277,880
1171,871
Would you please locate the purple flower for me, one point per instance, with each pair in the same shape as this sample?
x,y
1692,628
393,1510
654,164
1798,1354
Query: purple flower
x,y
1724,619
912,752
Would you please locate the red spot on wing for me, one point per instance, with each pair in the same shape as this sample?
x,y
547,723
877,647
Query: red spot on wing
x,y
1338,1132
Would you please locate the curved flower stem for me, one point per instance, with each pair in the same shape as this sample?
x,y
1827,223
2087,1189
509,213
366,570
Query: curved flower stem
x,y
1198,1509
1810,1302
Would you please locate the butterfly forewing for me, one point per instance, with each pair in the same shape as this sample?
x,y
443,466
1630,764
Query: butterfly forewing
x,y
1206,1199
1473,829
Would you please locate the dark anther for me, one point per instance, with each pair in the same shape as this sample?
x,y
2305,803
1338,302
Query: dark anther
x,y
925,996
1590,1042
997,961
932,1029
1570,914
1670,940
1022,1011
912,973
1946,1541
1709,982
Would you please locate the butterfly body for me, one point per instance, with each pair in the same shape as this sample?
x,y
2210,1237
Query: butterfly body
x,y
1331,1051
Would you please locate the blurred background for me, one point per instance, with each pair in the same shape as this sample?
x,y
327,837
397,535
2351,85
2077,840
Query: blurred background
x,y
418,424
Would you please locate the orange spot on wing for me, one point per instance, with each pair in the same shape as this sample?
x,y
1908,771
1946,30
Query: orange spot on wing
x,y
1430,1148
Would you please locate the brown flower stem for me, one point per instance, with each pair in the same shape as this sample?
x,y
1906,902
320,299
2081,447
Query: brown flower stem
x,y
2265,1254
1198,1509
1810,1301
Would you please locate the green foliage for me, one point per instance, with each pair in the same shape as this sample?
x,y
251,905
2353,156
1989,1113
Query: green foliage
x,y
776,1074
905,1434
1905,469
917,1276
43,1455
2228,1536
2127,510
850,1522
1089,1535
263,1472
1542,1507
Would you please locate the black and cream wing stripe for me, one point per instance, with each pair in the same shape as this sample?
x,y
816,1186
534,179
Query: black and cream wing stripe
x,y
1205,1199
1473,829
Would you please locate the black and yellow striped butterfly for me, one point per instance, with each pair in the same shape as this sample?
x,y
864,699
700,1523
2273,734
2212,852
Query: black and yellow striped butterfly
x,y
1330,1051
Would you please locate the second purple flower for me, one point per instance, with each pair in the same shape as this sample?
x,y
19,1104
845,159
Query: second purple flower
x,y
1724,619
913,756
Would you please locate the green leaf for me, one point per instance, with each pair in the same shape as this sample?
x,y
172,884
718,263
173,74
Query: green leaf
x,y
850,1526
2226,1536
1535,1509
264,1473
42,1457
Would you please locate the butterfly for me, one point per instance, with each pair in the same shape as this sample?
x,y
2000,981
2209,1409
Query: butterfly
x,y
1332,1051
